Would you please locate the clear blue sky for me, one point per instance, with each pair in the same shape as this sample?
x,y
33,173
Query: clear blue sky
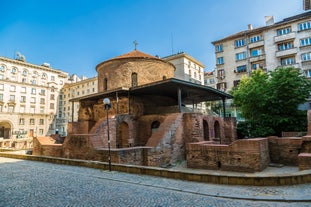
x,y
76,35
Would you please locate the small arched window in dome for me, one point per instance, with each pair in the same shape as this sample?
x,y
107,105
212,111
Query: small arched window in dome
x,y
134,79
105,84
164,77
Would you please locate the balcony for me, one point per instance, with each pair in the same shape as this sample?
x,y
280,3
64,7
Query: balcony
x,y
257,58
286,52
256,44
285,37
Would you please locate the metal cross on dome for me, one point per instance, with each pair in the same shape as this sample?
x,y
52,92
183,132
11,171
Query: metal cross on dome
x,y
135,44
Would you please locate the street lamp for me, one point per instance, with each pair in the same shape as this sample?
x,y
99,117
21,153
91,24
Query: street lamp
x,y
107,105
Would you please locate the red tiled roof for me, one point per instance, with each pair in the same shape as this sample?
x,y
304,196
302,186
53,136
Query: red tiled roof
x,y
134,54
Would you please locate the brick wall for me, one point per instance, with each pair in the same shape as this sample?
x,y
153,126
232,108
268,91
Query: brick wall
x,y
242,155
285,150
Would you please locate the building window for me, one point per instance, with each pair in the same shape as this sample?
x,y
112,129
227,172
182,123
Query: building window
x,y
41,122
240,56
305,42
288,61
41,110
283,31
14,70
33,82
256,38
285,46
218,48
32,100
239,43
24,80
32,121
21,121
24,73
2,68
40,131
52,97
134,79
257,66
306,56
42,92
221,86
23,99
42,100
220,61
221,74
304,26
1,76
12,97
236,83
1,87
241,69
105,84
44,76
11,109
51,105
33,91
1,97
52,78
256,52
52,89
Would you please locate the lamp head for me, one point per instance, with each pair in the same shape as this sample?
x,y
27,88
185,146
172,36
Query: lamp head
x,y
107,103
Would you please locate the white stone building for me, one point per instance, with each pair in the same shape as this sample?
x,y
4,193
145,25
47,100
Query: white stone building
x,y
68,111
187,67
285,43
28,98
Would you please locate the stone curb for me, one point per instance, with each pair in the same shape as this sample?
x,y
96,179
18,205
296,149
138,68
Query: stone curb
x,y
300,177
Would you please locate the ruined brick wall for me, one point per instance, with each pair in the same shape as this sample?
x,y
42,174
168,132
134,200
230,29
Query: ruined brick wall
x,y
230,133
78,146
242,155
144,127
193,127
284,150
118,72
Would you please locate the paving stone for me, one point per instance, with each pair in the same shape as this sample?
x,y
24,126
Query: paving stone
x,y
29,183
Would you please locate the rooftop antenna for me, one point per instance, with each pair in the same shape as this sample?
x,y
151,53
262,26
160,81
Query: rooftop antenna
x,y
172,43
135,44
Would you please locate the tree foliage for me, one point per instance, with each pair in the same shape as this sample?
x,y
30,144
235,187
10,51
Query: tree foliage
x,y
269,101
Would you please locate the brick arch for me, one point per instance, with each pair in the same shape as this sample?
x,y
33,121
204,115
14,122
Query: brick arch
x,y
124,135
206,130
217,129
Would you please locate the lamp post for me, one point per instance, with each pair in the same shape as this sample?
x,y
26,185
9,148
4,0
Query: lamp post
x,y
107,105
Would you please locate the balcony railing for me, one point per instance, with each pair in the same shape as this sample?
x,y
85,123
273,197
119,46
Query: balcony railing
x,y
286,52
284,37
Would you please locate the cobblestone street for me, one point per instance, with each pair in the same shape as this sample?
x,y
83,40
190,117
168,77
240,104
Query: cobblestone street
x,y
29,183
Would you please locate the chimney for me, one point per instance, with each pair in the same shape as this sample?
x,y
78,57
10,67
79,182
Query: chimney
x,y
250,27
269,20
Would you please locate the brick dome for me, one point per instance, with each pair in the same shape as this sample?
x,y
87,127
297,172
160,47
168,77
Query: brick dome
x,y
132,69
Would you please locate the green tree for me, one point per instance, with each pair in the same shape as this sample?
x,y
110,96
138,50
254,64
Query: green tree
x,y
269,101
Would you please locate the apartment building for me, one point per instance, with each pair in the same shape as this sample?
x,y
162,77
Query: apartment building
x,y
68,111
284,43
210,79
187,67
28,98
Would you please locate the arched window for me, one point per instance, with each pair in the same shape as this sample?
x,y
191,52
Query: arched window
x,y
134,79
2,68
164,77
154,126
44,76
24,73
105,84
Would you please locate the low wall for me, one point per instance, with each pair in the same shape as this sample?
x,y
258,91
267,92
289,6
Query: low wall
x,y
242,155
285,150
269,180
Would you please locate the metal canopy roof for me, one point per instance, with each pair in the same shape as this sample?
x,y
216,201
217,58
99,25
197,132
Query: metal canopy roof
x,y
191,93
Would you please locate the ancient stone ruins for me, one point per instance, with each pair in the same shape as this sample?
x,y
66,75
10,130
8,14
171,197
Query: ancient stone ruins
x,y
154,121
